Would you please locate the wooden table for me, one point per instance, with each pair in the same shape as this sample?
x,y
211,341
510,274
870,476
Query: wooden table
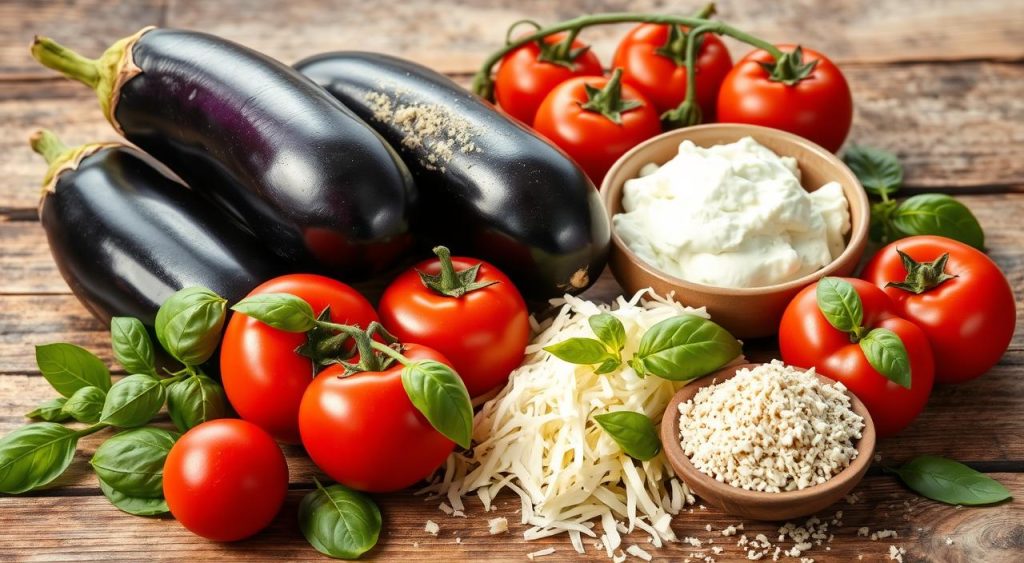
x,y
938,82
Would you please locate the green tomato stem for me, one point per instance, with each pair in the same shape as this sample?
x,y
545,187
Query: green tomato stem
x,y
390,352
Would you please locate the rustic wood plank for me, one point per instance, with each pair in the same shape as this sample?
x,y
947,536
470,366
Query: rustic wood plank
x,y
84,528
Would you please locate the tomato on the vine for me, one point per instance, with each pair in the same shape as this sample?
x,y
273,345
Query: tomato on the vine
x,y
225,479
808,338
596,120
464,308
804,93
956,294
364,432
653,60
263,375
527,74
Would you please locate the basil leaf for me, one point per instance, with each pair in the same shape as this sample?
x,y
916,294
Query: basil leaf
x,y
195,400
280,310
438,392
582,351
633,432
132,462
840,303
50,411
133,401
879,171
134,505
683,348
608,366
86,404
35,455
886,353
68,368
339,522
938,214
131,344
950,481
609,330
188,324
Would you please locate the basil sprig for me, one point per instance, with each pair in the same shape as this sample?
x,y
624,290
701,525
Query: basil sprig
x,y
841,306
605,350
950,481
339,522
633,432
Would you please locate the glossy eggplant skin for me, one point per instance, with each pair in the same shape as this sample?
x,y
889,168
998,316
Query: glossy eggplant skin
x,y
125,236
489,187
318,186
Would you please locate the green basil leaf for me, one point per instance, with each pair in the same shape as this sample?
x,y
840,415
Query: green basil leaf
x,y
35,455
132,462
131,344
950,481
134,505
582,351
188,324
683,348
195,400
840,303
86,404
339,522
50,411
68,368
280,310
938,214
886,353
438,392
133,401
633,432
609,330
608,366
879,171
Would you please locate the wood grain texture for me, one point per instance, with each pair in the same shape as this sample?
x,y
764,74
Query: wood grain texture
x,y
80,528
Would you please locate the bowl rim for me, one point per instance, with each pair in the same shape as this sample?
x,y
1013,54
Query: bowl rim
x,y
689,473
858,234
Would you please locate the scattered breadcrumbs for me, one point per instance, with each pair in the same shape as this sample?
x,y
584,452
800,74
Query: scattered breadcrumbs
x,y
497,525
882,534
432,528
949,541
540,553
437,132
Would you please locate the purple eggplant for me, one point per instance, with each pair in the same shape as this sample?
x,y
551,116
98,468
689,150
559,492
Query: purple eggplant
x,y
318,186
489,187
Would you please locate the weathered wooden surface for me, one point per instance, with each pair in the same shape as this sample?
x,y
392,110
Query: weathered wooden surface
x,y
938,82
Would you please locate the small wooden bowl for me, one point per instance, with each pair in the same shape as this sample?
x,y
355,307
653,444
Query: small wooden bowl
x,y
758,505
745,312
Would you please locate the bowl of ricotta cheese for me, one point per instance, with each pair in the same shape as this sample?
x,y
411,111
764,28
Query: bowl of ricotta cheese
x,y
736,218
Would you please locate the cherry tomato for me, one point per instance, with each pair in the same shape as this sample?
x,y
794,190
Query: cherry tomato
x,y
225,479
661,78
592,138
806,339
263,376
819,107
484,332
363,431
523,80
969,318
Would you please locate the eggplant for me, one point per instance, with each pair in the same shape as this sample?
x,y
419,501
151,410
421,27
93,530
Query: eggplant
x,y
489,187
318,186
125,235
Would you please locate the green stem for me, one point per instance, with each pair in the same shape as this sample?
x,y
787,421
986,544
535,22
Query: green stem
x,y
368,361
91,429
47,144
67,62
449,278
390,352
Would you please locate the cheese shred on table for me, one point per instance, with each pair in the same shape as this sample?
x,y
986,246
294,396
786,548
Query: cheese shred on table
x,y
538,437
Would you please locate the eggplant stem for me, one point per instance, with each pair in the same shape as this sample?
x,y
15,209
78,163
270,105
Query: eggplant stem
x,y
47,144
67,62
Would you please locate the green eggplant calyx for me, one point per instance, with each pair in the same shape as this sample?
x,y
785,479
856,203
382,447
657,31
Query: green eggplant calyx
x,y
59,156
922,276
451,282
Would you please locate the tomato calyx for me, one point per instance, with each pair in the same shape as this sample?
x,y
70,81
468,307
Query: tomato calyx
x,y
452,282
789,68
608,101
324,347
922,276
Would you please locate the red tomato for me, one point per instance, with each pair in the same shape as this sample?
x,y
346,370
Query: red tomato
x,y
484,332
263,376
592,138
661,79
806,339
523,80
225,479
969,319
819,108
363,431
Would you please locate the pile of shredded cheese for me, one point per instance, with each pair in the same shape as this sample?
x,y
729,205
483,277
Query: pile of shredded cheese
x,y
538,438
